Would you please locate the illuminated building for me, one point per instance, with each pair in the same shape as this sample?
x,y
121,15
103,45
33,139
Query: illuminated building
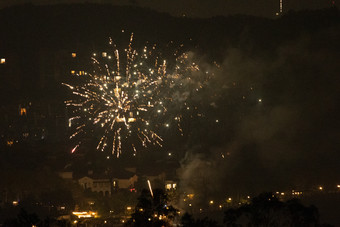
x,y
122,180
85,214
126,182
170,185
96,184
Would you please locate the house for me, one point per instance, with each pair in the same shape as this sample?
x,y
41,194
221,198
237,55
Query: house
x,y
119,179
96,184
125,183
124,179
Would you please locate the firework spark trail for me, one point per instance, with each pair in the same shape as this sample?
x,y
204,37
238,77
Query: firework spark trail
x,y
122,106
150,188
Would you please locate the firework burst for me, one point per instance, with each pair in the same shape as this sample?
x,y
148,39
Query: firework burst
x,y
128,102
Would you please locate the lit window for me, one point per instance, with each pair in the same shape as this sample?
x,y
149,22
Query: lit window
x,y
2,60
168,186
174,185
23,111
104,54
73,72
74,55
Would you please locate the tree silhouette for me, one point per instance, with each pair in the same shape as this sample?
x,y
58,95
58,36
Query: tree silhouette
x,y
153,211
23,219
267,210
188,221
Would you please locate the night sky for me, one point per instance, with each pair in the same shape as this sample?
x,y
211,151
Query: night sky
x,y
203,8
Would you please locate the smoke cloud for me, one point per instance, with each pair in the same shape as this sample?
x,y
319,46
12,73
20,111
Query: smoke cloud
x,y
277,125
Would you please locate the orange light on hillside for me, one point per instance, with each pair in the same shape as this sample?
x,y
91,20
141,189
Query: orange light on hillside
x,y
85,214
23,111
